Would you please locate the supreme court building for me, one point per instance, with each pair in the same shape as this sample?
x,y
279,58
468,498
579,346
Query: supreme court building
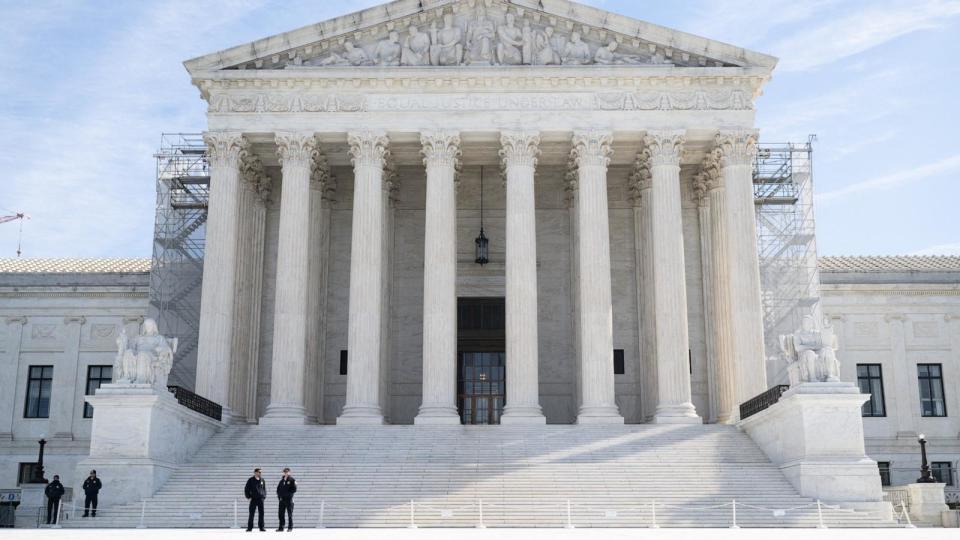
x,y
354,162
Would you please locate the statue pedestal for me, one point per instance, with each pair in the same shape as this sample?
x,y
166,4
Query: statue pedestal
x,y
139,436
927,503
815,435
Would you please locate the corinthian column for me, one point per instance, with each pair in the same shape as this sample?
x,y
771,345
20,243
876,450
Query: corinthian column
x,y
714,257
369,152
219,268
646,310
519,153
737,151
296,152
441,151
591,153
670,299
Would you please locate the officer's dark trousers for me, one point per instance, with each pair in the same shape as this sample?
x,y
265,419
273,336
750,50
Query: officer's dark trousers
x,y
52,505
255,504
286,505
88,503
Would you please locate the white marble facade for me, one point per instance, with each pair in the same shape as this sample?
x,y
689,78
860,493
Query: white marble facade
x,y
600,126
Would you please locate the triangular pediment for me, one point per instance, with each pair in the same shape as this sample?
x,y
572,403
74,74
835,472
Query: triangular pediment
x,y
480,33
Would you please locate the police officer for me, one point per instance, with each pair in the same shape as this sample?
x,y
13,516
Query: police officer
x,y
53,491
91,488
285,490
255,491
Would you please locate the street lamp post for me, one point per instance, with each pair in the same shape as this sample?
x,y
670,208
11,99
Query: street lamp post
x,y
39,471
925,477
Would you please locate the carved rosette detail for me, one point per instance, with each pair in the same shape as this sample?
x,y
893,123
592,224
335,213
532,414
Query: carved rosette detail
x,y
519,148
296,148
640,178
665,147
254,176
441,149
225,148
592,148
369,148
737,147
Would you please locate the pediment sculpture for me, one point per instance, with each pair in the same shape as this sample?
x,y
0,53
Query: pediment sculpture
x,y
810,353
484,37
144,359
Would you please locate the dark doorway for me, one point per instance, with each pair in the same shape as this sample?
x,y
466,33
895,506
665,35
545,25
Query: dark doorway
x,y
481,367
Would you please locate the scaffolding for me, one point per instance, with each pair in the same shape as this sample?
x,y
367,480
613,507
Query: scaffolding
x,y
786,241
176,271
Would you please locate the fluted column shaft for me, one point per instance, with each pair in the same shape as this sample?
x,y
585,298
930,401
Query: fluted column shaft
x,y
519,151
219,269
738,149
707,263
646,310
441,151
722,325
369,152
63,402
296,152
670,300
591,152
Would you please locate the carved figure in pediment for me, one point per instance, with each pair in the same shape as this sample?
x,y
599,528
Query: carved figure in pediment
x,y
447,48
547,54
480,36
608,55
510,44
416,48
528,44
356,55
388,50
577,52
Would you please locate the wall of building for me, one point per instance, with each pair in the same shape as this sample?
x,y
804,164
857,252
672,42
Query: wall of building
x,y
899,321
70,322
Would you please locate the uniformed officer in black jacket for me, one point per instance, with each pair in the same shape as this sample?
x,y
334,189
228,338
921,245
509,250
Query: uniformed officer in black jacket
x,y
53,491
91,488
255,491
285,490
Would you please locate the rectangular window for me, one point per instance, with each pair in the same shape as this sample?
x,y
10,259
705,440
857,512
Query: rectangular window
x,y
343,362
930,377
870,379
39,383
96,375
942,471
618,368
29,473
884,467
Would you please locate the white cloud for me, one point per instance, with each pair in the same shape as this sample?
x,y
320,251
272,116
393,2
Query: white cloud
x,y
914,174
939,249
857,31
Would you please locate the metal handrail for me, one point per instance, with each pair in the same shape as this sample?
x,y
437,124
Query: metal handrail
x,y
197,403
754,405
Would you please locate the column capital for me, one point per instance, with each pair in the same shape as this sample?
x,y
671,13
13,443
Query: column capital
x,y
519,148
592,147
254,176
322,178
21,320
225,148
640,177
296,148
707,179
369,148
737,146
665,147
441,148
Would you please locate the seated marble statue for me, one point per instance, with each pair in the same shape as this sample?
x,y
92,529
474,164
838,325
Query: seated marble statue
x,y
608,55
388,51
145,359
811,353
416,49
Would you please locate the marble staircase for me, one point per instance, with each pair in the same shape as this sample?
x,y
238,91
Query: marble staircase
x,y
525,476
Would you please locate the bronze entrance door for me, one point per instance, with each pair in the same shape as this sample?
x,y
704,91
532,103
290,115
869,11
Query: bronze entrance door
x,y
481,360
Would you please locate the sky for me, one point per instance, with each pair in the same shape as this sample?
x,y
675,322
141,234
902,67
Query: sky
x,y
86,89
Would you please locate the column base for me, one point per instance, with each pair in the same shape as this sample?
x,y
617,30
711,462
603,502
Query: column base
x,y
599,415
360,415
437,415
523,415
284,415
684,413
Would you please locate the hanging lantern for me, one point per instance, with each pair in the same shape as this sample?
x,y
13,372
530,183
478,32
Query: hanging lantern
x,y
481,241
